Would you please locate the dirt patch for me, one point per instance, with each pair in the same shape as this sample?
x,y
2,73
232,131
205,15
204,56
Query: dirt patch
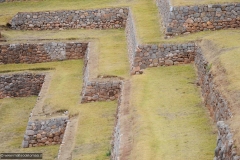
x,y
126,122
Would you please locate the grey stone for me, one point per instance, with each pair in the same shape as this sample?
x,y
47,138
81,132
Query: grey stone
x,y
30,132
25,144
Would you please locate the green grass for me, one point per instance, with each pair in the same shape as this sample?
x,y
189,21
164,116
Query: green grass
x,y
197,2
170,121
96,123
13,119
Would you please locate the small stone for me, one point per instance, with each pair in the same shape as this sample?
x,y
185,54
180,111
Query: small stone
x,y
39,136
168,62
25,144
30,132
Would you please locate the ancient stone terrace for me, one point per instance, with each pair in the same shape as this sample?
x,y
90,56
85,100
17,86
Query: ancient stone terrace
x,y
176,20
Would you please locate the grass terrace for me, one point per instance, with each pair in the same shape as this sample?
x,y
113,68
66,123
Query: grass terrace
x,y
64,94
170,121
145,12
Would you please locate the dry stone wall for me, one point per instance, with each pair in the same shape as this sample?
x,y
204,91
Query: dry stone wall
x,y
225,147
131,38
84,19
44,132
216,103
20,85
218,107
98,89
41,52
143,56
164,11
187,19
162,55
101,91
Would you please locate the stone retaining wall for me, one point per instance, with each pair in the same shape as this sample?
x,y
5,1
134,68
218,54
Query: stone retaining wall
x,y
187,19
215,102
20,85
44,132
98,89
162,55
218,107
84,19
225,147
101,91
41,52
131,38
164,11
143,56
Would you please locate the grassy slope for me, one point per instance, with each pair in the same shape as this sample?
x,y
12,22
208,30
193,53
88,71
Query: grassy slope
x,y
96,122
64,94
221,48
13,119
171,122
197,2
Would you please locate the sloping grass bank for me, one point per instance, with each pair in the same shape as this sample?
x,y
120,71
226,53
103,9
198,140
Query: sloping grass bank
x,y
170,123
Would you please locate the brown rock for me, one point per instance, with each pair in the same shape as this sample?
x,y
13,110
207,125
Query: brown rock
x,y
186,61
209,23
39,136
176,63
168,62
189,20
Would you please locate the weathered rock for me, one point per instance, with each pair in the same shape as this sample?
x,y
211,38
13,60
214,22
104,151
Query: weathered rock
x,y
168,62
25,144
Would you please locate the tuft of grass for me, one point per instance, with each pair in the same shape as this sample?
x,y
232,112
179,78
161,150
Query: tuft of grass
x,y
209,67
171,123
